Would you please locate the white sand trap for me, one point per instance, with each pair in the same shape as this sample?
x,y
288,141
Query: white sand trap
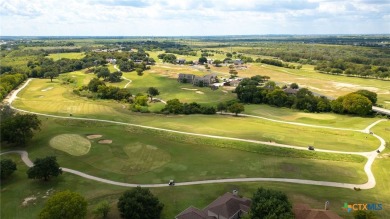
x,y
189,89
199,92
105,141
28,199
47,89
94,136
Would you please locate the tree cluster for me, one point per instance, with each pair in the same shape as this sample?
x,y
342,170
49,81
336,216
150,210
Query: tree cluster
x,y
167,57
18,128
7,167
66,205
249,91
8,82
176,107
98,89
44,168
139,203
351,69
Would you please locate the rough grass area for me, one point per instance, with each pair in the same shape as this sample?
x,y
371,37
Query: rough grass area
x,y
68,55
72,144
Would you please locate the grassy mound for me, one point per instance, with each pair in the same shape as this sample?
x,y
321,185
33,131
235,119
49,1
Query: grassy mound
x,y
72,144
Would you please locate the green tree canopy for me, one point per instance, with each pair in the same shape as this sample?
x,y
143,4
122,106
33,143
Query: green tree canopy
x,y
64,205
152,91
19,128
372,96
202,60
357,104
267,203
51,75
102,72
94,84
44,168
102,209
7,167
139,203
236,108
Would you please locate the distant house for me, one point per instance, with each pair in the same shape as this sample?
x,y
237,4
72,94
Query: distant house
x,y
210,61
204,81
112,61
228,206
289,90
303,211
238,62
180,61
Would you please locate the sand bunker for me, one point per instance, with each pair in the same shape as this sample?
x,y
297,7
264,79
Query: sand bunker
x,y
94,136
105,141
189,89
46,89
28,199
199,92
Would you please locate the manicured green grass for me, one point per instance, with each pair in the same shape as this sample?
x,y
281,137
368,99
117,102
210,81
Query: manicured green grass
x,y
69,55
323,119
139,155
72,144
61,101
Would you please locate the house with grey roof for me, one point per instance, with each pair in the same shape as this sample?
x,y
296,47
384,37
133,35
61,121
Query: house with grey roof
x,y
227,206
204,81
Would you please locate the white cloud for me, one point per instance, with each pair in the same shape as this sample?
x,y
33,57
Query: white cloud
x,y
191,17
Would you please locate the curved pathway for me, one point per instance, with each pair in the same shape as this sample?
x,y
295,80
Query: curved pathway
x,y
129,81
367,168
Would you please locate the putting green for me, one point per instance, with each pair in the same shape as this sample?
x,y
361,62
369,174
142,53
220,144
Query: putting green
x,y
72,144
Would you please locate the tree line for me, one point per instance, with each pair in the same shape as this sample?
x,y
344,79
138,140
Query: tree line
x,y
249,90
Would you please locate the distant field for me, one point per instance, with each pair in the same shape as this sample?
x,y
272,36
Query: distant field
x,y
70,55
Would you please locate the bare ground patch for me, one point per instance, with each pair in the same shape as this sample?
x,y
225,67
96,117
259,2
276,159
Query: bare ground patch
x,y
93,136
105,141
199,92
47,89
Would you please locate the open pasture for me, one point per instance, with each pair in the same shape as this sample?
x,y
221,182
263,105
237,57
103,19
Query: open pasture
x,y
68,55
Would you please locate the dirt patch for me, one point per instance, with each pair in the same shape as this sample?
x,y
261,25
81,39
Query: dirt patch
x,y
189,89
28,200
94,136
289,168
224,91
105,141
385,155
199,92
46,89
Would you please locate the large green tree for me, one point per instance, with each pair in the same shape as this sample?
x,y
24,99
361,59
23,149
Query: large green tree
x,y
372,96
44,168
65,205
357,104
18,129
139,203
51,75
152,91
268,203
7,167
236,108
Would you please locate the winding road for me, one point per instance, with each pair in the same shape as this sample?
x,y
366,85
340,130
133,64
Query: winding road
x,y
367,167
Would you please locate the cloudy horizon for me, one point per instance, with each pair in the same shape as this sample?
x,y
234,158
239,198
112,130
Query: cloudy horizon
x,y
192,17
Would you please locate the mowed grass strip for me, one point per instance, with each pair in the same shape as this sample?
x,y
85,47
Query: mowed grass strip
x,y
72,144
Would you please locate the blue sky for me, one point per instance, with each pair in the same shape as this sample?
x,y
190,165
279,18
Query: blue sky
x,y
192,17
